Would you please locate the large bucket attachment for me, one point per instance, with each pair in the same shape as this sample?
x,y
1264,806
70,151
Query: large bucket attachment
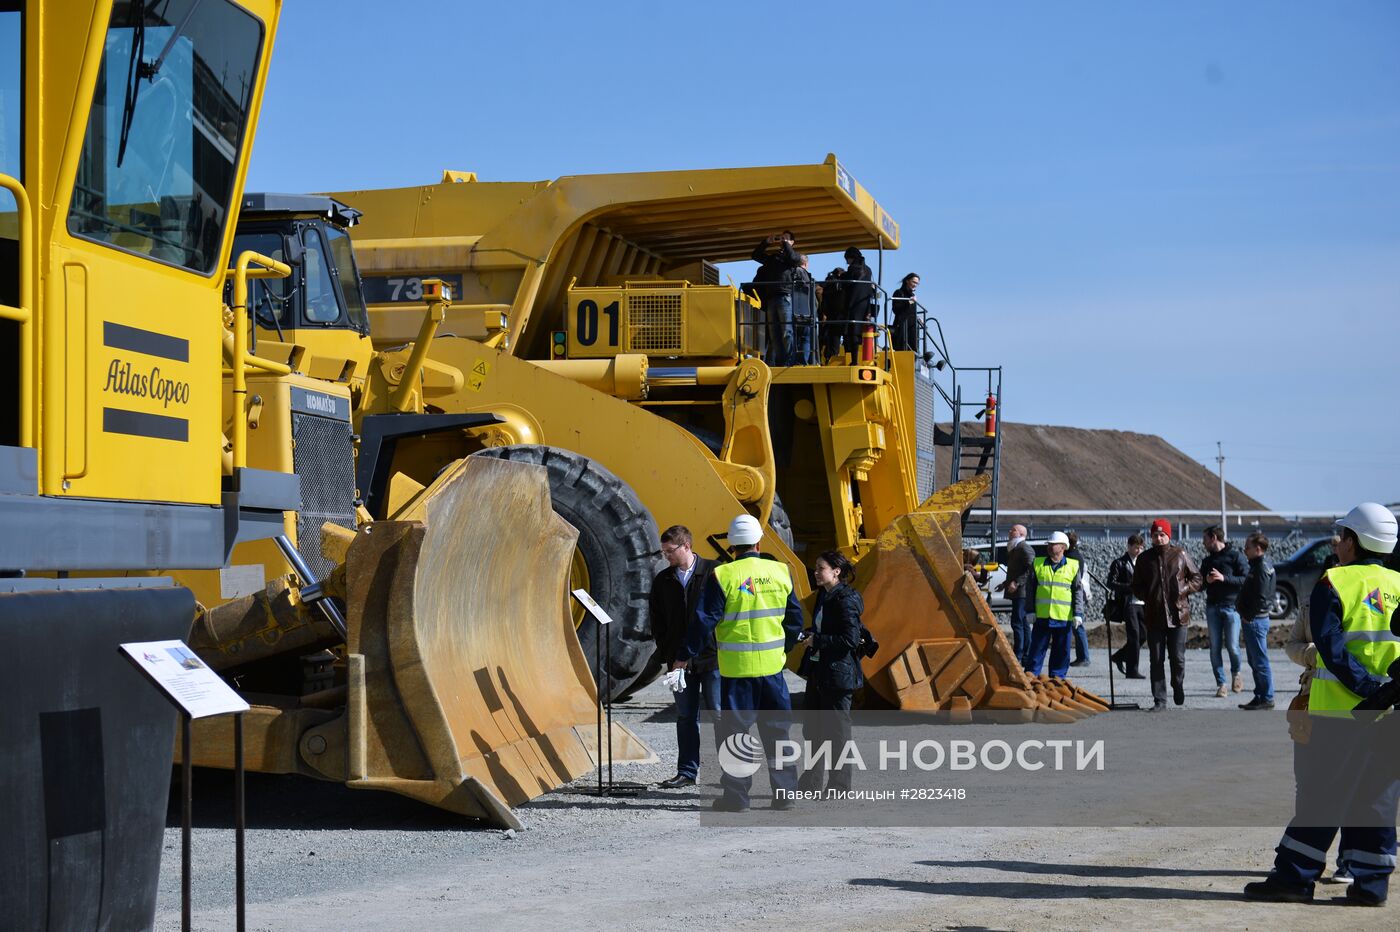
x,y
940,647
465,686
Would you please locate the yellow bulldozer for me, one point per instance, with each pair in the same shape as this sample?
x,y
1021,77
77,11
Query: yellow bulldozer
x,y
592,321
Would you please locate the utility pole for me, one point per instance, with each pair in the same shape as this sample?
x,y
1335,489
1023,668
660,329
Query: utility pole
x,y
1220,466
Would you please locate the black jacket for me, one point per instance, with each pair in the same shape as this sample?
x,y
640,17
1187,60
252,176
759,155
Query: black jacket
x,y
1234,567
836,662
1120,587
859,293
1257,593
833,302
672,608
903,303
803,294
775,270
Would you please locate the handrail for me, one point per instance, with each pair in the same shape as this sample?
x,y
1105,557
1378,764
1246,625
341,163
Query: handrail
x,y
271,268
24,314
879,299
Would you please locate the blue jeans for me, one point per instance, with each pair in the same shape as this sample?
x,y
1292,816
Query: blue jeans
x,y
700,689
1224,623
802,348
1020,629
1256,648
1081,645
779,311
1056,640
764,700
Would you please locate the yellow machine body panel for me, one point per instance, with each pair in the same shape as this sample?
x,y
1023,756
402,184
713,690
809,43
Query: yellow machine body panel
x,y
662,319
133,239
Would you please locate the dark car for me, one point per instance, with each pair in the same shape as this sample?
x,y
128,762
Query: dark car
x,y
1297,575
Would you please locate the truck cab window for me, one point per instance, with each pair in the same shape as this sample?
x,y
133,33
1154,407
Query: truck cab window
x,y
267,297
168,121
322,307
348,274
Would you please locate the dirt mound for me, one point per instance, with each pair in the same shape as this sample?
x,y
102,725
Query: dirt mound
x,y
1045,467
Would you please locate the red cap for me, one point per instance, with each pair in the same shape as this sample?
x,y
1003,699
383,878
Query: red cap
x,y
1163,525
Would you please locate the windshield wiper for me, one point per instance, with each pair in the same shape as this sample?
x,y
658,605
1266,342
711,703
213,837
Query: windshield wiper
x,y
134,67
149,71
137,68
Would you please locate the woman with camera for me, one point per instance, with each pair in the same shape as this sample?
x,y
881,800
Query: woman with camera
x,y
832,663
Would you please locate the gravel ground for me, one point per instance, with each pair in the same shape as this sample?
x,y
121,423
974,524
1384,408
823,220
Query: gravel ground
x,y
324,857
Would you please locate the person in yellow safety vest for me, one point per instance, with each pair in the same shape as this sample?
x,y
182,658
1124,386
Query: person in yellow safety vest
x,y
1355,615
1059,602
749,606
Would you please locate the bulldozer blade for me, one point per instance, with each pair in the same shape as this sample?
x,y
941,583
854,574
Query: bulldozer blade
x,y
940,646
467,687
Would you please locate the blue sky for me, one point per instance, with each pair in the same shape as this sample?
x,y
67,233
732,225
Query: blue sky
x,y
1176,218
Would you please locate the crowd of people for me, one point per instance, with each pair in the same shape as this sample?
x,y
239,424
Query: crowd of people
x,y
809,322
724,631
1148,593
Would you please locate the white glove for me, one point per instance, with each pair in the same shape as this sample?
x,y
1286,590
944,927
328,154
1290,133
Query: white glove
x,y
1079,621
675,680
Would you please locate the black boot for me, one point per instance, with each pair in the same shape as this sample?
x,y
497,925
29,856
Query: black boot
x,y
1274,891
1357,897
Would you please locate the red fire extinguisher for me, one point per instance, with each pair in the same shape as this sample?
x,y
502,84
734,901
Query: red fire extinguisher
x,y
991,415
867,345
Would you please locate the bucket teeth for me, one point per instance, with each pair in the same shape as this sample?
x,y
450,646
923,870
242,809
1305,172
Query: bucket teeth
x,y
940,646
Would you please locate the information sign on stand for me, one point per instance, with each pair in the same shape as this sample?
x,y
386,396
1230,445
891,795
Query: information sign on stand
x,y
602,650
198,692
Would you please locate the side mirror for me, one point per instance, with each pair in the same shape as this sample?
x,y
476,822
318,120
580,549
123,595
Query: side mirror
x,y
292,249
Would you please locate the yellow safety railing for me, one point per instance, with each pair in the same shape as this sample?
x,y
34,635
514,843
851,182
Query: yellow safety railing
x,y
242,359
24,314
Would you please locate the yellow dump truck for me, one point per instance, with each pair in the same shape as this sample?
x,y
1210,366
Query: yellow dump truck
x,y
152,450
592,321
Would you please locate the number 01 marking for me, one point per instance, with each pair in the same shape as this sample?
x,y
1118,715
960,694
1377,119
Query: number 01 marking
x,y
587,322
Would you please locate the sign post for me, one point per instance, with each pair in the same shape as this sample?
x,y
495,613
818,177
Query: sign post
x,y
602,649
197,692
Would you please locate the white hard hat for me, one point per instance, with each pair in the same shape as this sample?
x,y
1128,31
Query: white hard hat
x,y
744,529
1058,538
1373,525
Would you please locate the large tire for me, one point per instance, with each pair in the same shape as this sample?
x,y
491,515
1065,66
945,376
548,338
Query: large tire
x,y
619,545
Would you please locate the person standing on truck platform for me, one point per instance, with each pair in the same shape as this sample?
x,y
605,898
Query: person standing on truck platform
x,y
905,311
1164,579
675,595
775,278
860,300
1059,602
749,608
831,311
1019,589
804,312
1355,613
1224,569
